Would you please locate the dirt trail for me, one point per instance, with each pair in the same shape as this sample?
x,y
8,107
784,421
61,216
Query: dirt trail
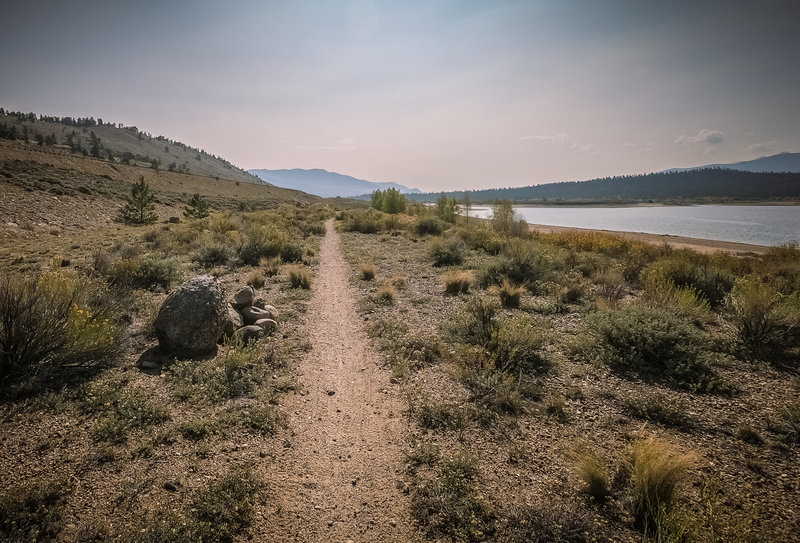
x,y
338,479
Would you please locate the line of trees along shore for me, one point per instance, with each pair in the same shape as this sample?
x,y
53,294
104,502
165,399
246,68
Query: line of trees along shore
x,y
696,184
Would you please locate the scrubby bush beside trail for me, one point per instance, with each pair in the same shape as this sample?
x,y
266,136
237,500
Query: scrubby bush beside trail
x,y
54,319
707,281
648,341
762,321
447,252
522,262
32,512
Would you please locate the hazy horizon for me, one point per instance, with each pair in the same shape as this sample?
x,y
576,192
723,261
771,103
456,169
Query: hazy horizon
x,y
438,95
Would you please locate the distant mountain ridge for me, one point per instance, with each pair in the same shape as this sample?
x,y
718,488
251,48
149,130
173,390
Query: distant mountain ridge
x,y
324,183
782,162
691,185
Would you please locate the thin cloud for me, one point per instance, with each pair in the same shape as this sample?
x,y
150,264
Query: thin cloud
x,y
565,141
712,137
761,148
344,144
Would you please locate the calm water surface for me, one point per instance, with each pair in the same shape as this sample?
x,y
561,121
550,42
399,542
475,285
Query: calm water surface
x,y
759,225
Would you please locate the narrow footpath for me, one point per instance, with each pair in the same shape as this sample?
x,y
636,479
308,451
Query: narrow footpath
x,y
338,479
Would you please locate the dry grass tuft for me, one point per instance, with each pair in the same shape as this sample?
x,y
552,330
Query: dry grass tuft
x,y
299,277
656,469
458,282
367,271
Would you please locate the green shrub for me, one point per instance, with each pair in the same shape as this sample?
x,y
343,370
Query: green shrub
x,y
365,221
233,373
291,252
458,282
121,408
685,302
516,346
656,470
52,319
449,506
429,226
611,284
523,263
148,273
708,281
479,237
226,507
447,252
551,522
159,527
475,323
262,241
657,407
790,421
648,341
299,277
213,253
31,512
760,319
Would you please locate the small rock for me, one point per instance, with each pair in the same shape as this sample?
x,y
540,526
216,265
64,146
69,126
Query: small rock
x,y
268,325
243,297
172,486
233,321
174,220
330,392
252,314
249,333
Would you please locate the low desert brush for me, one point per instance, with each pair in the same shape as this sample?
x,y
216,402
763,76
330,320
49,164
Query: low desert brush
x,y
509,294
256,278
299,277
367,271
447,252
270,266
458,282
386,294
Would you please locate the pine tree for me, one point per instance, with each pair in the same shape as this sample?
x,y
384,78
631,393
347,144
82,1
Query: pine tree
x,y
140,207
196,208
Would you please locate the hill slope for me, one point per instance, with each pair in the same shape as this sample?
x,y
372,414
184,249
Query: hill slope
x,y
324,183
115,143
689,185
782,162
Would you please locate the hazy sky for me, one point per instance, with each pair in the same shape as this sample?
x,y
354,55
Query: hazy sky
x,y
431,94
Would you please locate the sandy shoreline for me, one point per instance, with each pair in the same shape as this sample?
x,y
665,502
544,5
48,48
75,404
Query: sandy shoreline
x,y
678,242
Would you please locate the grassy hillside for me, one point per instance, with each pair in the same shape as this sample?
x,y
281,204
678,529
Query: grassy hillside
x,y
117,144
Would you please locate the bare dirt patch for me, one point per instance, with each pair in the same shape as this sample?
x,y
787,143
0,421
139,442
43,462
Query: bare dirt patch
x,y
339,478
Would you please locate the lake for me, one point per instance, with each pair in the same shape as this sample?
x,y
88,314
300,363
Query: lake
x,y
759,225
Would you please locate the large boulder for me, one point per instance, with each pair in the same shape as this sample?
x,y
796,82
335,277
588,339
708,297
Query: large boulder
x,y
191,318
243,297
233,321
